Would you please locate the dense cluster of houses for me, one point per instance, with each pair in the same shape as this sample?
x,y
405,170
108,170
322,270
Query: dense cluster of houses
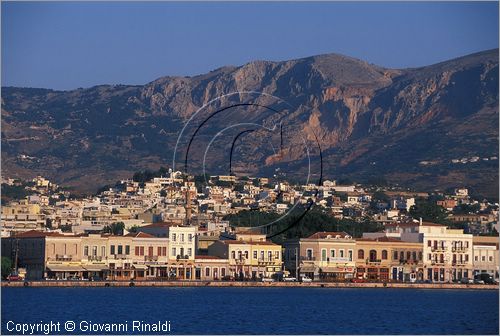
x,y
174,230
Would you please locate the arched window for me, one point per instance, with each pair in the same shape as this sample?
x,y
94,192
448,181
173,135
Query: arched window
x,y
361,254
373,255
384,254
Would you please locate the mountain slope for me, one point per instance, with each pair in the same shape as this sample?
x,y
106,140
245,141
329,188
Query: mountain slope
x,y
371,122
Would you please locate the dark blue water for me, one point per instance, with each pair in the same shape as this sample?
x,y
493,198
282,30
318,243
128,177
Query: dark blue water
x,y
261,310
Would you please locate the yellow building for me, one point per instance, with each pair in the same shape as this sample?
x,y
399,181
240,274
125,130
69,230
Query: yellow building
x,y
249,256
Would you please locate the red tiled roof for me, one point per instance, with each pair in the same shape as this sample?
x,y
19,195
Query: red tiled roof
x,y
324,234
40,234
247,242
140,235
206,257
381,239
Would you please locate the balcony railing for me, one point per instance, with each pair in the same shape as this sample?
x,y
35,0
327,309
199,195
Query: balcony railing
x,y
63,257
459,249
373,261
94,258
151,258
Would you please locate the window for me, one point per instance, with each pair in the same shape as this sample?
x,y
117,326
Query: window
x,y
341,253
269,255
483,258
475,258
158,251
182,237
429,256
408,255
233,255
361,254
103,251
174,251
127,249
332,253
141,250
246,254
150,251
174,236
255,254
223,272
429,243
490,258
384,254
261,255
94,250
466,258
350,255
239,255
395,256
164,249
190,237
85,250
323,255
120,249
112,249
277,255
190,251
137,250
414,255
420,255
401,255
309,254
207,271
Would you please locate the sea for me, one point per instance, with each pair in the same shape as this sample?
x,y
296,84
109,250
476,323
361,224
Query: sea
x,y
231,310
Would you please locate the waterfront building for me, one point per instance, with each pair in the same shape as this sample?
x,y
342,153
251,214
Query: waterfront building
x,y
388,259
323,256
250,255
211,268
485,255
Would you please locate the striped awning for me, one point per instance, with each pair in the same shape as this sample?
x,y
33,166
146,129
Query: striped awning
x,y
63,268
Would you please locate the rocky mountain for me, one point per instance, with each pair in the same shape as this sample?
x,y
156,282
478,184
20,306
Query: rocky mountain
x,y
403,126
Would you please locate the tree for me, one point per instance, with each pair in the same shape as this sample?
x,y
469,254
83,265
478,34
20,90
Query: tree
x,y
115,228
6,267
429,211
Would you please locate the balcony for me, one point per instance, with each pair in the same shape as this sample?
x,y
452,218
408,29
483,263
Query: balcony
x,y
120,256
459,249
438,248
63,257
94,258
151,258
373,261
266,261
182,257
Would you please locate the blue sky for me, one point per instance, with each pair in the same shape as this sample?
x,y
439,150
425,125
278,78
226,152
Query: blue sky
x,y
71,45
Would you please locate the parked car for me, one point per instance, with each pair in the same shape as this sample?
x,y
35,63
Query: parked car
x,y
466,281
14,277
485,277
268,280
289,279
479,281
305,278
356,280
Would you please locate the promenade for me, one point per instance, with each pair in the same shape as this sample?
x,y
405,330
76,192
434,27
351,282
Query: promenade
x,y
244,284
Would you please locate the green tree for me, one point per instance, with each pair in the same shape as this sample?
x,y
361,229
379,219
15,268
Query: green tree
x,y
429,211
115,228
6,267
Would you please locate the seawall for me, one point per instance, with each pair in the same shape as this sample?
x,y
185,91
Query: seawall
x,y
243,284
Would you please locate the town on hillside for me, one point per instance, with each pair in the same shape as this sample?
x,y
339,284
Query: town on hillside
x,y
168,226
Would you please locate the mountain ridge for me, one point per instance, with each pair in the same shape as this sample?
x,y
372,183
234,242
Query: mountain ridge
x,y
350,105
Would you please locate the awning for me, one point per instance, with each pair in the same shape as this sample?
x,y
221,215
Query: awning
x,y
95,268
307,269
141,267
61,268
334,269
